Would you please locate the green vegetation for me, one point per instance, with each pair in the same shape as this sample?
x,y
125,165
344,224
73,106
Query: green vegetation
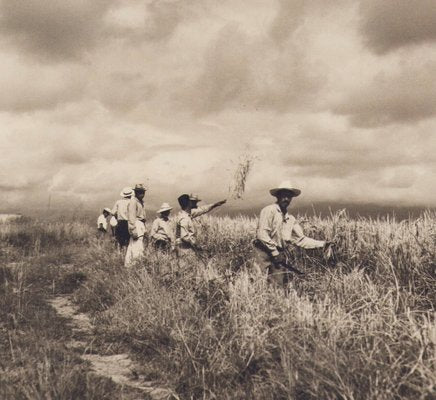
x,y
363,328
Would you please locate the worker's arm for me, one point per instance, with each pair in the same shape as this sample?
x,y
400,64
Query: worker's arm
x,y
114,211
299,239
196,212
264,232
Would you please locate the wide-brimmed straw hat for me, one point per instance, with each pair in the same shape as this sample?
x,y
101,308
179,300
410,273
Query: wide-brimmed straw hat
x,y
194,197
126,192
107,210
285,186
164,207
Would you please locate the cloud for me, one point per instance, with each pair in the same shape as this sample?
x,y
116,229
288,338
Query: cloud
x,y
401,177
53,30
152,21
28,88
292,15
387,25
289,16
247,72
162,19
403,96
123,91
172,92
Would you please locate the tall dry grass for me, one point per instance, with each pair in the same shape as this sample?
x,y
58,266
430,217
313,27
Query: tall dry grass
x,y
37,236
363,328
35,362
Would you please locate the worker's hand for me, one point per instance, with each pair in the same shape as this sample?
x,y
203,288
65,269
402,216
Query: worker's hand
x,y
279,259
220,203
328,250
135,235
329,243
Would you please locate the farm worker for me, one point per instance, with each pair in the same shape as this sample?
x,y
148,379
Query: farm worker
x,y
161,234
102,221
276,230
119,211
186,235
136,224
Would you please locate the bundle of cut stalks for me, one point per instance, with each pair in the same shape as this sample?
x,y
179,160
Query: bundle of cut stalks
x,y
237,186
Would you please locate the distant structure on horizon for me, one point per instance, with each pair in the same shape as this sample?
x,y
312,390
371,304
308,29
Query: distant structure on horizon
x,y
9,217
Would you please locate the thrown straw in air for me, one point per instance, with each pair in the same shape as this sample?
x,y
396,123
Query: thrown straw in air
x,y
237,186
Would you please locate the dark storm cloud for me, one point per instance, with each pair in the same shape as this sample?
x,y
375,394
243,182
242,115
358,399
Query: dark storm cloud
x,y
326,153
248,73
331,163
51,29
402,97
390,24
227,72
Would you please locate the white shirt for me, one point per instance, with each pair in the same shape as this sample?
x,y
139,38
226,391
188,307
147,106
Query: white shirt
x,y
185,228
161,230
277,230
102,220
136,213
120,209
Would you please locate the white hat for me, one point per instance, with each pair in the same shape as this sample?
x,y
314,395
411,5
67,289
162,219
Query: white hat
x,y
286,185
126,192
107,210
164,207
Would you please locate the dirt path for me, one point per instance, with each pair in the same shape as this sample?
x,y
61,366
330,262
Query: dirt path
x,y
119,367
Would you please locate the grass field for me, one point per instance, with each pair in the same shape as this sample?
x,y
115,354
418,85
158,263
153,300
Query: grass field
x,y
362,327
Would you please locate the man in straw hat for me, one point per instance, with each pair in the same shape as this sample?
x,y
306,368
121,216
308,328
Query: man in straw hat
x,y
276,230
119,211
136,224
161,234
186,233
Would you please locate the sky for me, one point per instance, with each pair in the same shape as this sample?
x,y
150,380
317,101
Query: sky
x,y
337,96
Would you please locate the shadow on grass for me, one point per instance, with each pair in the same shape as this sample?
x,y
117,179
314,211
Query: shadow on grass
x,y
35,362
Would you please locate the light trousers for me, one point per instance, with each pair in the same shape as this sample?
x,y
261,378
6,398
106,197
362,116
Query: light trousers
x,y
135,250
